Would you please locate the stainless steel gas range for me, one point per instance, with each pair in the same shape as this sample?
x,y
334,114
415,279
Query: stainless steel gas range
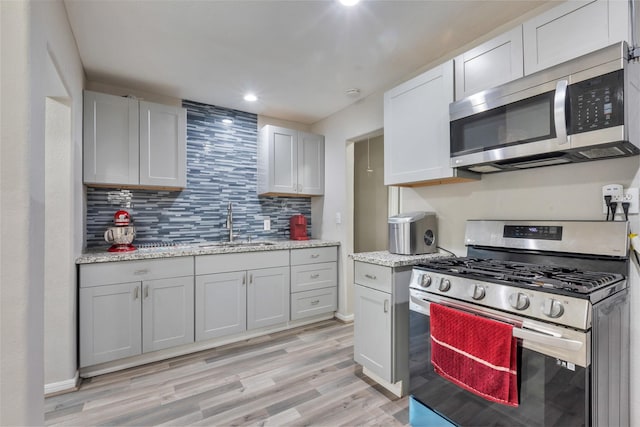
x,y
561,286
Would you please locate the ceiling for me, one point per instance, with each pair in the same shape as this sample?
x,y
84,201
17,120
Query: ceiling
x,y
299,57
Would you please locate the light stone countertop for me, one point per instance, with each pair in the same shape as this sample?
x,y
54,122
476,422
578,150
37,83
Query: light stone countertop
x,y
387,259
91,256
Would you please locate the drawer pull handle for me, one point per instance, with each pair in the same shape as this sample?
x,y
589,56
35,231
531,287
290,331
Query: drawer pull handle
x,y
143,271
315,302
251,279
386,306
315,275
370,276
146,291
136,293
244,280
315,255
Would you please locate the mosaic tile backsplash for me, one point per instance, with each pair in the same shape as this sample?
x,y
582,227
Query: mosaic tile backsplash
x,y
221,168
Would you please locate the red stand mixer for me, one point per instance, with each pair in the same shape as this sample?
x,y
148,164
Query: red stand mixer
x,y
122,234
298,227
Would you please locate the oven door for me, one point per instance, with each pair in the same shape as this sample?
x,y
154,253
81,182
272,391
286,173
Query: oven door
x,y
552,391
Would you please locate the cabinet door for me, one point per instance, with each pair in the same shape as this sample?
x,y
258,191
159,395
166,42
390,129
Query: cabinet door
x,y
572,29
491,64
167,313
267,297
372,331
282,166
163,140
416,126
110,142
109,323
221,304
310,164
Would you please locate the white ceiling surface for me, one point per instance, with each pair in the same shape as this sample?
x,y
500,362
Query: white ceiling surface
x,y
298,57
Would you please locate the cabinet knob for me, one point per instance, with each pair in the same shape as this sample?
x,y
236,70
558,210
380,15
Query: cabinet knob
x,y
386,306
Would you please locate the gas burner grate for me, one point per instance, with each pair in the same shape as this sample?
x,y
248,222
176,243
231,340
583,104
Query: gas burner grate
x,y
545,276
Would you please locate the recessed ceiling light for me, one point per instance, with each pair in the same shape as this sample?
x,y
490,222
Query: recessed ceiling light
x,y
349,2
250,97
227,121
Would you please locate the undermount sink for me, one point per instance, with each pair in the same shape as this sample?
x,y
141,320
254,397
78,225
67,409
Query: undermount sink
x,y
211,245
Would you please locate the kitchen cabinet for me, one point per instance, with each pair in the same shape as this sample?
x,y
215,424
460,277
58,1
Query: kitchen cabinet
x,y
490,64
231,298
290,162
381,296
314,281
133,143
416,126
221,307
133,307
572,29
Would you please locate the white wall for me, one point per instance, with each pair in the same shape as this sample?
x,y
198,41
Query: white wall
x,y
31,32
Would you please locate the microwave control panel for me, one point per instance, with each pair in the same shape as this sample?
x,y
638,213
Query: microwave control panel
x,y
597,103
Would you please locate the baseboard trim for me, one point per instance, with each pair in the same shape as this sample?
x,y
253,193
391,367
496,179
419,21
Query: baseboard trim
x,y
62,386
344,318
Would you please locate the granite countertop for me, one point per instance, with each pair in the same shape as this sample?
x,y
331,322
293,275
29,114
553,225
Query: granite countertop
x,y
205,248
387,259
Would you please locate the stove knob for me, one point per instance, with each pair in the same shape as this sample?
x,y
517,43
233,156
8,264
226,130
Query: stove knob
x,y
425,281
552,308
445,285
478,292
519,301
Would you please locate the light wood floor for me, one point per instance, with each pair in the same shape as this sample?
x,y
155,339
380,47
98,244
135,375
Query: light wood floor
x,y
303,376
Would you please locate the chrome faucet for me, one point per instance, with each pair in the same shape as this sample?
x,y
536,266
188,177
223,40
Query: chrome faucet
x,y
230,221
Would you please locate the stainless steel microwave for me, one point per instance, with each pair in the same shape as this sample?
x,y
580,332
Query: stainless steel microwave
x,y
584,109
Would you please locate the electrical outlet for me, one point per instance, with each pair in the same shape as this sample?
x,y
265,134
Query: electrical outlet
x,y
613,190
630,195
267,223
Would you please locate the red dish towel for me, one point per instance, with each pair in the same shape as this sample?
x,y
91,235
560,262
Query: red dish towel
x,y
476,353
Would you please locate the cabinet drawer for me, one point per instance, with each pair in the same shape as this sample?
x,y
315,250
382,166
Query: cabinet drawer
x,y
313,276
373,276
221,263
310,303
132,271
314,255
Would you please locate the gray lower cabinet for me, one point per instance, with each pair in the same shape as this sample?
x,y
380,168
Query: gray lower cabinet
x,y
232,299
314,281
132,307
373,313
110,323
381,321
221,304
267,297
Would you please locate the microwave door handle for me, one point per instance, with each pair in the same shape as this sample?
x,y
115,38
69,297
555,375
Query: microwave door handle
x,y
559,113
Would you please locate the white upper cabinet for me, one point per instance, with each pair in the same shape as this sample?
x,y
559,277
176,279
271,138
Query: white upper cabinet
x,y
163,145
290,162
416,129
110,139
572,29
491,64
133,143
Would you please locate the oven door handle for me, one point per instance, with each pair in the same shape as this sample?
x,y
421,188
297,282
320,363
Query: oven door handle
x,y
523,330
545,339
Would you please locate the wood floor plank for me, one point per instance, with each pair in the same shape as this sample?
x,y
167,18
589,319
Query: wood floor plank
x,y
303,376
